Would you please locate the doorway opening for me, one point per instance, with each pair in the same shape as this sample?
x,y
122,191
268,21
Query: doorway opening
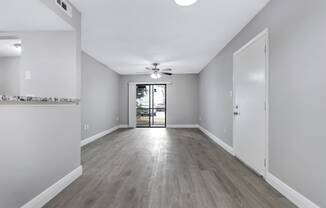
x,y
151,105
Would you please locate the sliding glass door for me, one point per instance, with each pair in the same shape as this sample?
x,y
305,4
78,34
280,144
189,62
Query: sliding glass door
x,y
143,105
151,105
158,103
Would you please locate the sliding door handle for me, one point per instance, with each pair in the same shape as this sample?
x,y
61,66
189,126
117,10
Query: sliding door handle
x,y
236,113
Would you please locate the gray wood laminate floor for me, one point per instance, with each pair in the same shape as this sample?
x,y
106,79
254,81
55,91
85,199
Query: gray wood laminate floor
x,y
164,168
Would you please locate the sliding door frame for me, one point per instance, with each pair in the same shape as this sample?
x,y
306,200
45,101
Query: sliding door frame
x,y
152,107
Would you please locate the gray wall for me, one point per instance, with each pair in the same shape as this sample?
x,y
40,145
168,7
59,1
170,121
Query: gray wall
x,y
9,75
53,68
46,67
215,102
39,144
75,22
297,82
100,97
182,97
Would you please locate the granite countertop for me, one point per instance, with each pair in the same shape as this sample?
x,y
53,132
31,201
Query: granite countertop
x,y
5,99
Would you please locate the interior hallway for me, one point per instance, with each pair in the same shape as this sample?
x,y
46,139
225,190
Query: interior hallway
x,y
164,168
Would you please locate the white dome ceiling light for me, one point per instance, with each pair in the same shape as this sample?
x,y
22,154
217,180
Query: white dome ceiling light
x,y
185,2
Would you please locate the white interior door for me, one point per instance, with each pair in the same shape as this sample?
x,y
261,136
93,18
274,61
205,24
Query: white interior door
x,y
250,100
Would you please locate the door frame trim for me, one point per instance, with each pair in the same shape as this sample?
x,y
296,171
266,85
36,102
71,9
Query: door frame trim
x,y
265,33
151,84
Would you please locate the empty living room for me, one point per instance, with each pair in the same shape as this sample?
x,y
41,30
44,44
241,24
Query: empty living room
x,y
162,104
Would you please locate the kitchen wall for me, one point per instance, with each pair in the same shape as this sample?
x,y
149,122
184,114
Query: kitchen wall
x,y
40,145
9,75
100,97
297,99
52,68
75,22
182,97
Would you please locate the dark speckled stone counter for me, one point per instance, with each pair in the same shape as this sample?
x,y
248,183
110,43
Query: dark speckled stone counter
x,y
5,99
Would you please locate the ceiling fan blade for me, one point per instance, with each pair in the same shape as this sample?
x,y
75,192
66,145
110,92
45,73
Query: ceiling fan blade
x,y
168,69
166,73
148,68
143,73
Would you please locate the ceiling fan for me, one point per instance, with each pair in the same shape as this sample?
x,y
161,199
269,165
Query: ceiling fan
x,y
157,72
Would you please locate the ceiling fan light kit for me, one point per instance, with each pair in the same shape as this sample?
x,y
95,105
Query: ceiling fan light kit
x,y
155,75
157,72
185,2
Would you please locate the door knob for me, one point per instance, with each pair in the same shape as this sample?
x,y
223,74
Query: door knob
x,y
236,113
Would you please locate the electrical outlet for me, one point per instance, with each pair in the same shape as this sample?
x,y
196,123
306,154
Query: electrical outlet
x,y
86,126
117,118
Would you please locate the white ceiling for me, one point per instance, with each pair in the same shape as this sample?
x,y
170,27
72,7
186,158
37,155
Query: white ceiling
x,y
129,35
8,48
20,15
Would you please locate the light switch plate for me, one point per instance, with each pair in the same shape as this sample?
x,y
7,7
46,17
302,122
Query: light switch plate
x,y
28,75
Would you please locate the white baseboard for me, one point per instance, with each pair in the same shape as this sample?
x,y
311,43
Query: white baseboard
x,y
44,197
182,126
225,146
174,126
294,196
97,136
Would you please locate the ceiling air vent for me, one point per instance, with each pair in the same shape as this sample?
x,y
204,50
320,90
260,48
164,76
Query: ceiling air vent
x,y
65,6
